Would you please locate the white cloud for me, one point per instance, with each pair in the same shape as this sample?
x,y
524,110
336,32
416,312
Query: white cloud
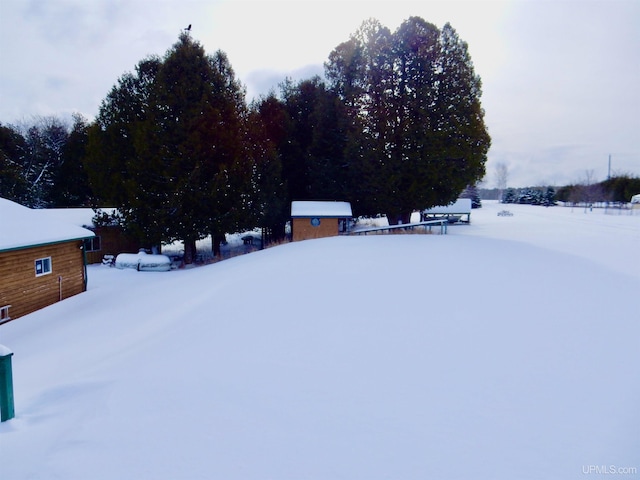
x,y
554,73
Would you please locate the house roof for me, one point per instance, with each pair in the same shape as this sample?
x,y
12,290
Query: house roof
x,y
82,217
321,209
461,205
22,227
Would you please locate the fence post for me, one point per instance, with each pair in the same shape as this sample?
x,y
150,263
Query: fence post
x,y
6,385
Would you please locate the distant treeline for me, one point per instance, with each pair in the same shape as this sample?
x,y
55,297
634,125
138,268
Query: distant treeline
x,y
617,189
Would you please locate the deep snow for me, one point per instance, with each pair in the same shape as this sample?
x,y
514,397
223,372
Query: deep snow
x,y
21,226
509,348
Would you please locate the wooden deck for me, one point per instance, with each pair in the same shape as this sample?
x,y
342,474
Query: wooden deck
x,y
427,225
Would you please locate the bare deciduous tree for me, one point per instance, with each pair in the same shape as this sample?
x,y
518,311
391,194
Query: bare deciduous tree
x,y
502,177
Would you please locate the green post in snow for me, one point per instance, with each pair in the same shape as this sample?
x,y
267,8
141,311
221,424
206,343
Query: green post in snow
x,y
6,385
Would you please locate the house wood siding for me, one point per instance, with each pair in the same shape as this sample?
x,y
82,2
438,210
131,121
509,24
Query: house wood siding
x,y
26,293
304,230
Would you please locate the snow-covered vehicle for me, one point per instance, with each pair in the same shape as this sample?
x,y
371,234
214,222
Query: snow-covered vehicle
x,y
144,262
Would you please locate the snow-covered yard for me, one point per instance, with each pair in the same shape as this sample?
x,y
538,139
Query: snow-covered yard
x,y
507,349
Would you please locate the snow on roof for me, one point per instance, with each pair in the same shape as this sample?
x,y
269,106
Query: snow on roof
x,y
461,205
22,227
82,217
321,209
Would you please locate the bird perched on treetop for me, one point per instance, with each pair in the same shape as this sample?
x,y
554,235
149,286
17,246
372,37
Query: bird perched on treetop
x,y
188,29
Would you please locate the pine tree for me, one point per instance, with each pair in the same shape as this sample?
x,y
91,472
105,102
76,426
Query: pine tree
x,y
549,197
472,193
71,185
416,100
509,196
307,128
112,142
270,124
175,131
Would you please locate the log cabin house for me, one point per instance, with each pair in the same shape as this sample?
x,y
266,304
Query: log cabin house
x,y
42,260
315,219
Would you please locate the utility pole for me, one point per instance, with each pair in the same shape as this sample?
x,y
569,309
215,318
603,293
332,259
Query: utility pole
x,y
609,171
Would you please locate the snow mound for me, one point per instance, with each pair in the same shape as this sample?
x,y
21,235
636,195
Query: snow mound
x,y
506,349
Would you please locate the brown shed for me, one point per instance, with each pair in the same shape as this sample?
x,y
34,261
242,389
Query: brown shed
x,y
315,219
42,261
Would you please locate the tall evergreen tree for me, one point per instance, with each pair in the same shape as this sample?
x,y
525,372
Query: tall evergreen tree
x,y
71,185
307,127
329,164
465,136
111,144
416,99
314,163
178,128
414,153
112,160
471,192
270,124
300,101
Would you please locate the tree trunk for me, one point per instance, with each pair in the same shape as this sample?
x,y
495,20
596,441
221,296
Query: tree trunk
x,y
393,218
276,233
216,241
189,251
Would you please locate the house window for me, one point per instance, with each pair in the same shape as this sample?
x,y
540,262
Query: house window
x,y
315,222
4,314
92,244
43,266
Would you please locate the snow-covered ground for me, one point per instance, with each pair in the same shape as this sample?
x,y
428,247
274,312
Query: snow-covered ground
x,y
507,349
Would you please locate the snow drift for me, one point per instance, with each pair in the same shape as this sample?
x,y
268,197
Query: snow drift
x,y
505,349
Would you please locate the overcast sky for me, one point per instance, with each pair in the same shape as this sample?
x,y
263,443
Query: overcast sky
x,y
561,79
